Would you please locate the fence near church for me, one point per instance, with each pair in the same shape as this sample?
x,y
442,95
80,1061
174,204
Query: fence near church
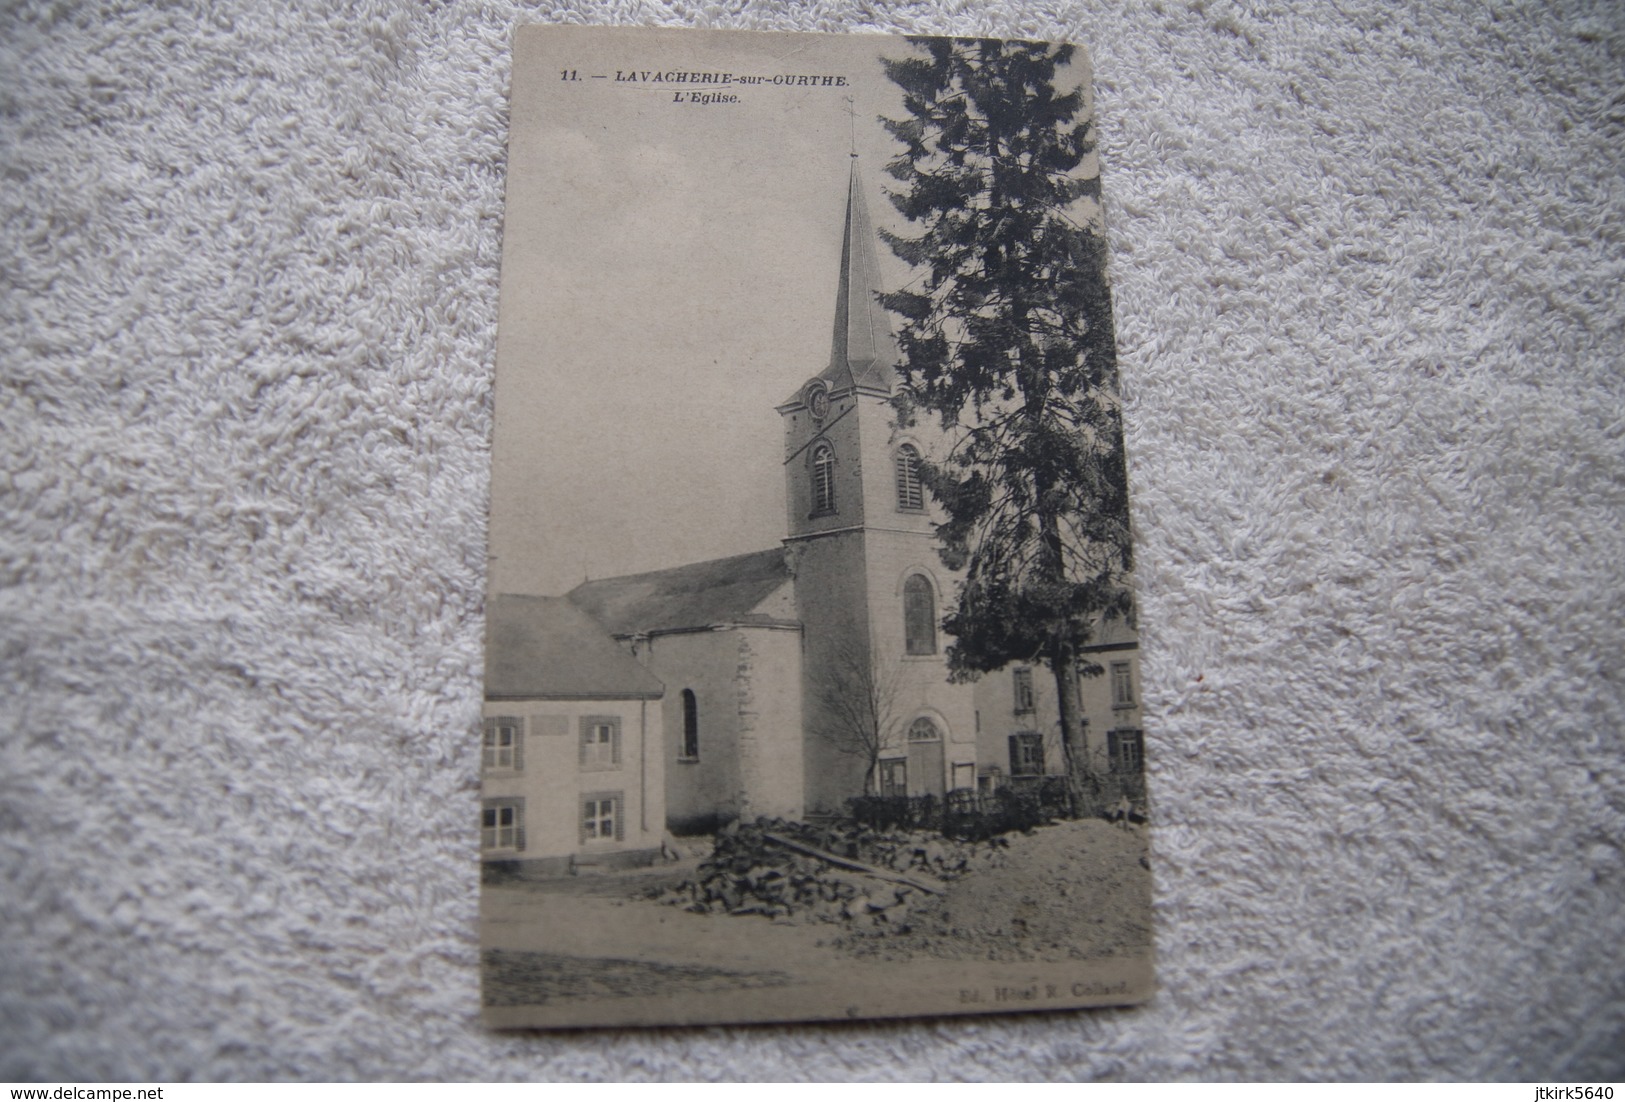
x,y
1020,803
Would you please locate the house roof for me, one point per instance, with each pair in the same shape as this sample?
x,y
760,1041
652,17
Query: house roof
x,y
546,647
1114,634
698,595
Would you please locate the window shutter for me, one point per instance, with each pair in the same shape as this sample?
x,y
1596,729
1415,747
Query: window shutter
x,y
615,746
1038,754
519,723
519,827
1114,750
620,818
581,740
1015,754
908,479
488,738
823,479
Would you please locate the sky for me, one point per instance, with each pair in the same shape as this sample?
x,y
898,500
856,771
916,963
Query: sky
x,y
669,276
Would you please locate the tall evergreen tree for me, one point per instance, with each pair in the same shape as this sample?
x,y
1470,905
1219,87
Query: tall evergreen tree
x,y
1008,341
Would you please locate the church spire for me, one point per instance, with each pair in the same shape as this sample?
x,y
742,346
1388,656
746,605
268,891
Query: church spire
x,y
864,349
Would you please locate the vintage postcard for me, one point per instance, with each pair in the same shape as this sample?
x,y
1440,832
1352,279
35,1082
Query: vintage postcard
x,y
812,686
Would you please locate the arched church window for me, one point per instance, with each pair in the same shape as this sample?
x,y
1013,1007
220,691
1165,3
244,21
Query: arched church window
x,y
919,616
690,750
910,494
823,479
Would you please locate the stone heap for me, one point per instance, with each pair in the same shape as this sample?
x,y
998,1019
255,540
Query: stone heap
x,y
752,872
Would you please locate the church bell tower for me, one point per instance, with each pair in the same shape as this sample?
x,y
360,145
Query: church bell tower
x,y
870,587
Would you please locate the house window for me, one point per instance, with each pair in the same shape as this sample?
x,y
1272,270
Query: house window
x,y
690,750
1027,754
894,777
1023,685
923,730
504,744
1122,685
1125,747
601,818
919,616
823,479
502,826
910,494
600,742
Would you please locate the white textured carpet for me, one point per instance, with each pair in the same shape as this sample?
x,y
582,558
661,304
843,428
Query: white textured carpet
x,y
1368,265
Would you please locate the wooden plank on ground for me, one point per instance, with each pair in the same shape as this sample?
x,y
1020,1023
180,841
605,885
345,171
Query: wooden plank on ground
x,y
922,883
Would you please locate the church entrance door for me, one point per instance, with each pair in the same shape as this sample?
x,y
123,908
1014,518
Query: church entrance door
x,y
925,761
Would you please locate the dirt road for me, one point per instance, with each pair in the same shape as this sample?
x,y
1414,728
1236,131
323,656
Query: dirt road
x,y
1074,894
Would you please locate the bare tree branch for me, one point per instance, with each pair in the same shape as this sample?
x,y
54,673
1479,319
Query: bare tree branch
x,y
858,702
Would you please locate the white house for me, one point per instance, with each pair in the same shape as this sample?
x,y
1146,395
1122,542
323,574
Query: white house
x,y
1019,722
574,739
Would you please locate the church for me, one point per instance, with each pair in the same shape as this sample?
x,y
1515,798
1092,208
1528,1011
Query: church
x,y
682,699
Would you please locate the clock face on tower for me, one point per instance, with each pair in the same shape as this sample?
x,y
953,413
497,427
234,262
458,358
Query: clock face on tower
x,y
817,400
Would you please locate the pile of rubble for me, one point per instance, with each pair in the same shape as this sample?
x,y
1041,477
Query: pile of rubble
x,y
792,872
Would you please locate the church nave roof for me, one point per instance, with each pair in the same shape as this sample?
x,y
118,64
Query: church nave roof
x,y
697,595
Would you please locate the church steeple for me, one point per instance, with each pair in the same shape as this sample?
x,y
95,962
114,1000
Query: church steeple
x,y
840,439
862,547
864,349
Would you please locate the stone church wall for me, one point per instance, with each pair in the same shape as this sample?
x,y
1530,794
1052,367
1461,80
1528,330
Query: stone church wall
x,y
746,683
923,689
832,605
841,429
703,791
768,696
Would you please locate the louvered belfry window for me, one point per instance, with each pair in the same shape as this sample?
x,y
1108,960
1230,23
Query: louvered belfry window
x,y
910,494
823,479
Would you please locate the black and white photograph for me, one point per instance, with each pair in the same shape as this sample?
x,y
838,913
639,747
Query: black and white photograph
x,y
537,537
811,684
